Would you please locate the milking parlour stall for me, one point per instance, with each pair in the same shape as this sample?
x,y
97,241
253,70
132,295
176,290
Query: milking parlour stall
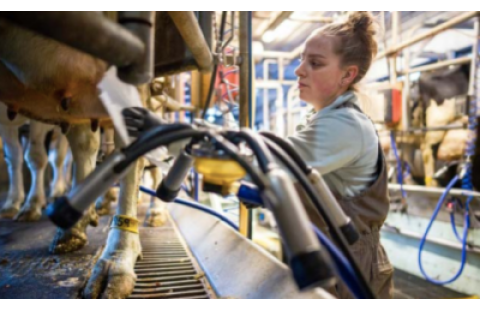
x,y
239,154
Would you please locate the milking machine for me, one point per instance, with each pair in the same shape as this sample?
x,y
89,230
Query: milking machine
x,y
224,157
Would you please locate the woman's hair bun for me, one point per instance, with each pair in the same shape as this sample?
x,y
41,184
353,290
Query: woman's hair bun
x,y
361,21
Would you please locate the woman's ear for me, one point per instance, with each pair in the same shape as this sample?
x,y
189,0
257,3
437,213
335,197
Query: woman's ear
x,y
349,75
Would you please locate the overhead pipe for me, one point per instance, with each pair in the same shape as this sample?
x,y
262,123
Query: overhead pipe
x,y
189,29
322,19
436,30
273,22
438,65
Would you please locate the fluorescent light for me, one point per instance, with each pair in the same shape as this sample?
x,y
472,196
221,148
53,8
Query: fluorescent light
x,y
257,47
284,29
268,36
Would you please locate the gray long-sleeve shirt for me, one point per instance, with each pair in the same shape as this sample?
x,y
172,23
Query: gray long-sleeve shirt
x,y
342,145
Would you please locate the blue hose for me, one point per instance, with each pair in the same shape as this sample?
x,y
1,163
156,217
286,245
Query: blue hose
x,y
195,205
452,221
343,267
467,184
464,239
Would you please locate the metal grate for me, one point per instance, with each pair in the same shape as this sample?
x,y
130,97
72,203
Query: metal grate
x,y
167,270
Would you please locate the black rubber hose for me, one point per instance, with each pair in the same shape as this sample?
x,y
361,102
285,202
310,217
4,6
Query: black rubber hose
x,y
334,231
288,148
168,134
153,142
265,158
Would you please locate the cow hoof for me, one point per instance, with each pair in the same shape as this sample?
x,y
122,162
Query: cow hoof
x,y
9,210
73,239
30,212
156,216
114,275
103,206
104,203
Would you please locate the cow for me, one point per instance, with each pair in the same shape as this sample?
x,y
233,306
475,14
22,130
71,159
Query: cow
x,y
437,98
56,84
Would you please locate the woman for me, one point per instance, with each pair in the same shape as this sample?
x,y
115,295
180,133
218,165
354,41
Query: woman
x,y
341,142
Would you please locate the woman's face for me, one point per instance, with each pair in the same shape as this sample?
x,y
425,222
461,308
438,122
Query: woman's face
x,y
321,78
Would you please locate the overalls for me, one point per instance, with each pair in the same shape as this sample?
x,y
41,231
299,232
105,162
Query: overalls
x,y
368,211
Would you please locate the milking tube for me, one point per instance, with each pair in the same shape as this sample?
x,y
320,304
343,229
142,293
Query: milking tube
x,y
327,199
172,183
65,211
334,230
310,264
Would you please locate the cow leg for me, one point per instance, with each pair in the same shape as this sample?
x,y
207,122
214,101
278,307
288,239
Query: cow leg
x,y
67,167
156,214
114,275
36,157
84,144
429,165
13,156
57,159
103,203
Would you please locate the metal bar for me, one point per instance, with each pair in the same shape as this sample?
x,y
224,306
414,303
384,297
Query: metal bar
x,y
440,64
475,56
168,283
274,22
320,19
410,234
425,129
189,29
167,288
89,32
436,30
159,268
166,295
435,191
144,281
393,58
245,99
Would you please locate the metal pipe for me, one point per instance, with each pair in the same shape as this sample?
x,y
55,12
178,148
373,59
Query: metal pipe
x,y
189,29
245,42
321,19
475,56
437,128
278,101
142,24
436,30
89,32
395,27
393,57
290,109
435,191
448,244
285,55
406,111
266,103
440,64
244,71
273,22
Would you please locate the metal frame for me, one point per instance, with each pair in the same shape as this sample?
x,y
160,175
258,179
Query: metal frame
x,y
245,40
